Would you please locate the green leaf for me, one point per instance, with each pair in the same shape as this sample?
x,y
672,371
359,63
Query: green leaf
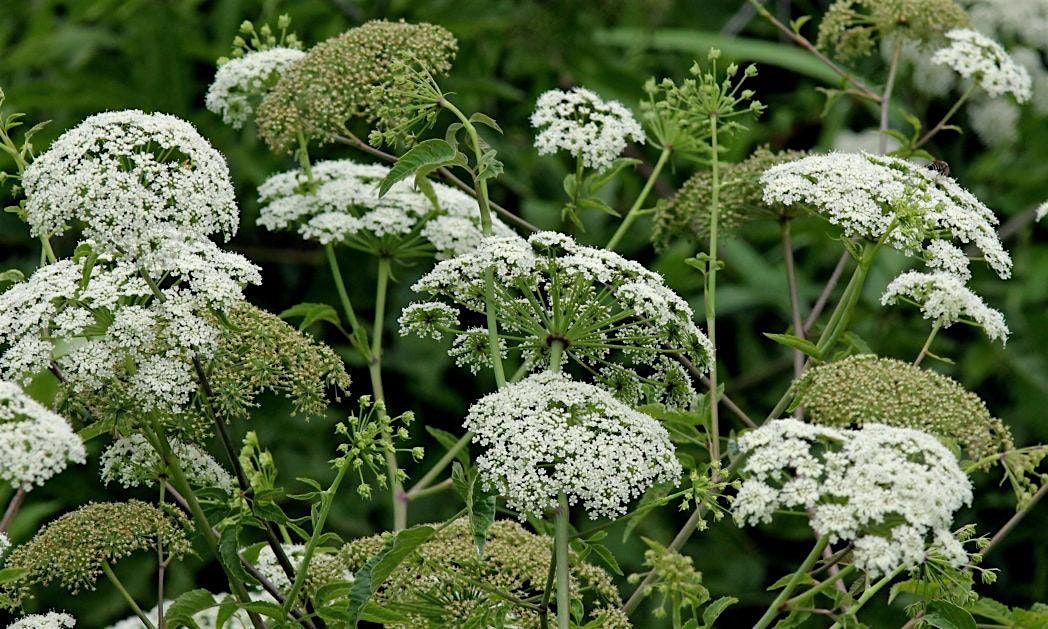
x,y
370,577
229,553
480,507
449,440
430,153
606,558
781,583
571,186
795,342
311,313
181,611
485,120
12,275
601,179
715,609
944,615
8,575
96,429
593,203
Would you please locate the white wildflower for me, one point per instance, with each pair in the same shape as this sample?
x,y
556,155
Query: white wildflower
x,y
943,255
204,619
5,544
579,122
50,620
431,319
889,491
35,443
240,83
944,299
877,196
974,55
548,435
269,567
1041,212
132,461
120,174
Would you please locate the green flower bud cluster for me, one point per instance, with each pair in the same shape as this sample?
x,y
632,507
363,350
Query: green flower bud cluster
x,y
370,436
865,388
687,213
72,550
851,29
675,578
336,80
438,585
250,39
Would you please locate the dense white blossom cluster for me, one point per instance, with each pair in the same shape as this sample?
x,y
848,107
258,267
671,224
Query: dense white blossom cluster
x,y
241,82
338,201
889,491
5,544
943,255
98,318
974,55
944,299
548,435
269,567
121,174
579,122
594,301
877,196
50,620
132,461
35,443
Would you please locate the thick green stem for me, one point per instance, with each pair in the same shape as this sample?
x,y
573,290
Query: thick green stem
x,y
400,504
711,292
563,565
634,210
869,593
327,499
127,596
791,585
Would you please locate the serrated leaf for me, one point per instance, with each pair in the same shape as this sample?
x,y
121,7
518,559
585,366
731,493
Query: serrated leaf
x,y
789,340
807,579
311,313
180,612
229,554
944,615
480,507
376,570
432,152
606,558
485,120
715,609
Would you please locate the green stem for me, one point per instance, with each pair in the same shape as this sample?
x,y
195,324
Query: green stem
x,y
47,252
444,461
809,561
927,343
634,210
946,118
868,594
711,293
796,601
400,503
359,334
886,97
127,596
563,565
327,499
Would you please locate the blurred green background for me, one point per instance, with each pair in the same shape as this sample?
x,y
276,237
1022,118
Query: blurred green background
x,y
62,61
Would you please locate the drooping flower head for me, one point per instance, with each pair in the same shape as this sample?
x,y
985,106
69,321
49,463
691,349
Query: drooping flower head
x,y
889,491
876,197
241,83
70,551
944,299
547,435
339,202
132,461
336,80
976,56
50,620
607,311
850,29
35,443
121,174
436,586
579,122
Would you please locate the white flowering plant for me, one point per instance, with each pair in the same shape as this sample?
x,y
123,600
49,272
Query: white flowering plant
x,y
601,396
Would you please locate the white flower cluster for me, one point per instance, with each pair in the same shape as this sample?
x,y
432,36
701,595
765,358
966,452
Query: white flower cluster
x,y
95,316
1041,212
548,288
943,298
548,435
240,83
50,620
35,443
974,55
341,204
5,544
132,461
269,567
889,491
579,122
205,619
867,194
120,174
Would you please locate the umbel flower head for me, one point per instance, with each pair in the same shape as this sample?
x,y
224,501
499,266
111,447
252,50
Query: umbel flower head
x,y
867,389
549,435
132,461
241,83
944,299
336,80
850,29
35,443
687,213
71,550
588,128
875,197
338,201
106,323
889,491
595,302
50,620
976,56
121,174
435,586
